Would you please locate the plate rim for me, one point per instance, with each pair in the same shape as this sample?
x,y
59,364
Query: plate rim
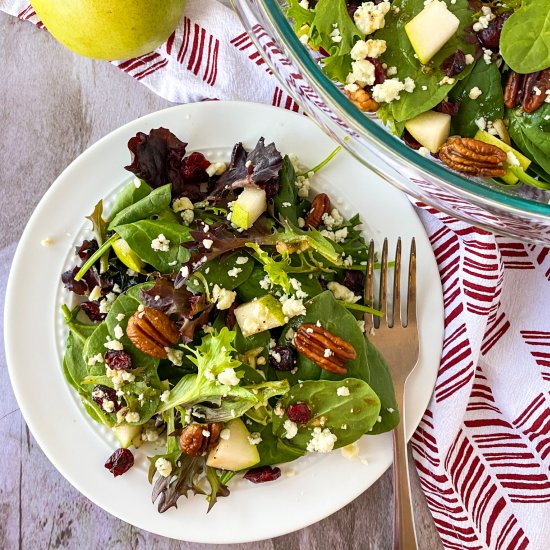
x,y
11,304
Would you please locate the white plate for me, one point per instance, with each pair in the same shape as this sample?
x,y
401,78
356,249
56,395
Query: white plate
x,y
34,332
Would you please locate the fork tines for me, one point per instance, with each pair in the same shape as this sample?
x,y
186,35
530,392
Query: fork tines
x,y
393,311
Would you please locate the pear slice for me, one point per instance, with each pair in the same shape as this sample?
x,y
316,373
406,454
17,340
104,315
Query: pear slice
x,y
248,207
127,256
431,29
125,433
431,129
260,314
235,452
524,162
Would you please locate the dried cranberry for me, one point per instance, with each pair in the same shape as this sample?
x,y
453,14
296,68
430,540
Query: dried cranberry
x,y
86,249
354,279
91,309
102,393
379,72
230,318
263,474
448,107
454,64
299,413
282,358
194,168
118,360
490,37
410,141
120,462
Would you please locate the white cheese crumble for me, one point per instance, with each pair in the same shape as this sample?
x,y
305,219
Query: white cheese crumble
x,y
228,377
481,123
322,440
369,17
332,220
254,438
351,451
161,243
107,302
95,359
293,307
114,345
278,410
335,35
118,332
175,356
222,297
370,48
362,73
512,159
342,391
207,243
120,317
487,56
392,71
474,93
241,260
447,80
291,428
164,396
187,217
234,272
302,186
150,435
342,292
225,434
484,19
163,466
390,89
132,417
469,58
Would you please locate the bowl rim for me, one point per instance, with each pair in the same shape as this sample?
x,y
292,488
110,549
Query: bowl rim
x,y
385,139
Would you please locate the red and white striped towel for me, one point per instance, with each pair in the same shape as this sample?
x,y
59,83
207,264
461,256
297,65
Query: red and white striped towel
x,y
483,447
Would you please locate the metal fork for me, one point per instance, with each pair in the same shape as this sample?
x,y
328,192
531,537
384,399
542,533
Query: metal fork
x,y
396,337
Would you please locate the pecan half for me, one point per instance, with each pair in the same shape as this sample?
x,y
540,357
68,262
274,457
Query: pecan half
x,y
151,330
319,207
362,99
324,348
197,439
535,87
512,89
471,156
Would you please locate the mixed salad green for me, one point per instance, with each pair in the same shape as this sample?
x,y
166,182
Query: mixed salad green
x,y
431,69
192,295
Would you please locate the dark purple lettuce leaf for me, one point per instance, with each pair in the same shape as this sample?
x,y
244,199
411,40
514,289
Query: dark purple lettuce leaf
x,y
159,158
187,331
263,170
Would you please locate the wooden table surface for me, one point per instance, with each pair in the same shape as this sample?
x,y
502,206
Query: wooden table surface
x,y
53,106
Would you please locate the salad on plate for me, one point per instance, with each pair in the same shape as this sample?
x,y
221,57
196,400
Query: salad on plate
x,y
467,81
215,320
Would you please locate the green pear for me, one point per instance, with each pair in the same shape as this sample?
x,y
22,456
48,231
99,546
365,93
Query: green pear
x,y
110,29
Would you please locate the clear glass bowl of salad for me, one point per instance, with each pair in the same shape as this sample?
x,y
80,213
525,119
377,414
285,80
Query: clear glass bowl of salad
x,y
447,100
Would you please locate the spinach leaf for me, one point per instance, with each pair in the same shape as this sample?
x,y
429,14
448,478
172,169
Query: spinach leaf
x,y
525,37
381,382
246,343
272,449
490,104
427,92
286,199
300,15
348,417
95,345
251,288
531,133
337,319
128,195
140,235
217,273
151,204
135,291
329,13
99,226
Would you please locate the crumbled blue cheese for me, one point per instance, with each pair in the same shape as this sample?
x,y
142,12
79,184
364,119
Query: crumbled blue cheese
x,y
225,434
95,359
302,186
207,243
392,71
132,417
107,302
163,466
469,58
187,217
120,317
332,220
234,272
390,89
255,438
335,35
114,345
150,434
474,93
304,4
222,297
164,396
95,294
370,48
181,204
351,451
337,236
369,17
265,283
184,271
342,292
175,356
487,56
241,260
291,428
484,19
278,410
118,332
293,307
228,377
161,243
322,441
481,123
342,391
362,73
446,80
512,159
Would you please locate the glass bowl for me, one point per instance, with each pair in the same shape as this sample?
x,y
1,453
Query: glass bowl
x,y
516,211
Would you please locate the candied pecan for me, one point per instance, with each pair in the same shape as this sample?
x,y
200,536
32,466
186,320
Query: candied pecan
x,y
535,86
363,100
319,207
513,89
151,330
196,439
324,348
471,156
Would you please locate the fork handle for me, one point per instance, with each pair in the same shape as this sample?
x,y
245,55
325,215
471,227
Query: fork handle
x,y
404,535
